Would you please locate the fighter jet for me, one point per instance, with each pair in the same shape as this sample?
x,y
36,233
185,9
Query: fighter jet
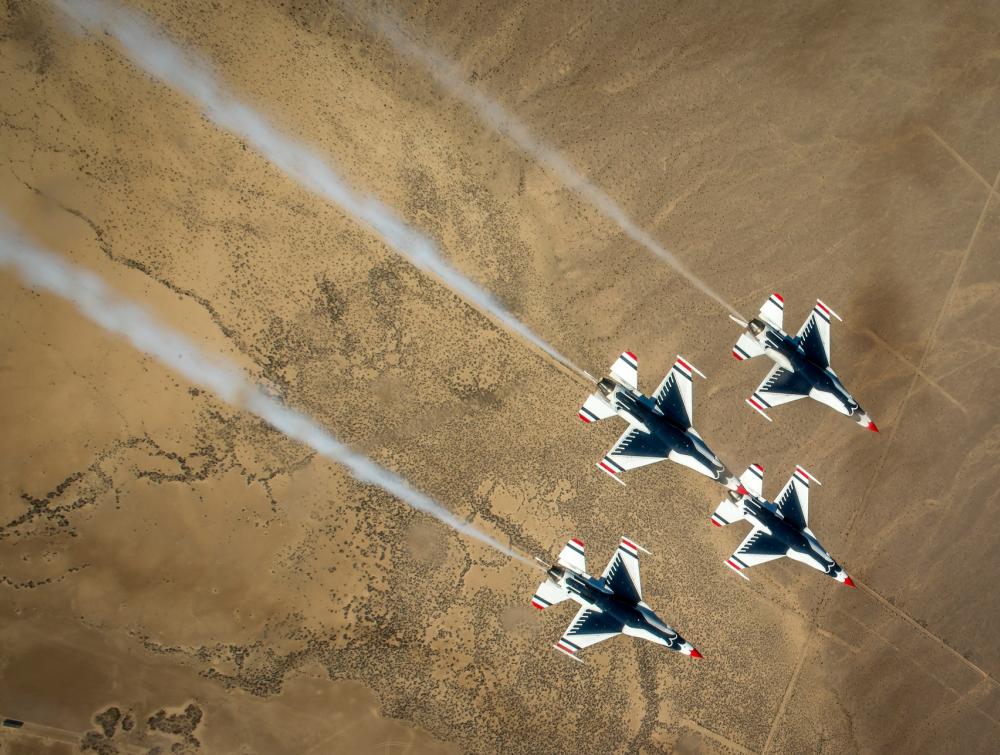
x,y
610,606
779,529
661,427
801,364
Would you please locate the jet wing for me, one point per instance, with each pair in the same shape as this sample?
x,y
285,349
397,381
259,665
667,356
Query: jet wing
x,y
673,397
587,628
757,548
779,387
622,572
793,500
814,335
633,449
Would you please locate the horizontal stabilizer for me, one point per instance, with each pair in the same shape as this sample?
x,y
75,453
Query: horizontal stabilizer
x,y
753,480
548,594
572,556
747,347
773,311
626,370
727,512
595,408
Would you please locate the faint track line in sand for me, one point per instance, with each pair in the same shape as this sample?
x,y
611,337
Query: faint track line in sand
x,y
926,632
789,688
930,381
962,161
931,338
962,702
709,734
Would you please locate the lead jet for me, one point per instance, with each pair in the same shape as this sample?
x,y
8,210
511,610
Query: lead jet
x,y
801,364
609,606
779,529
661,427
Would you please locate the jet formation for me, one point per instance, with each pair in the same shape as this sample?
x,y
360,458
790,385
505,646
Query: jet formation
x,y
661,427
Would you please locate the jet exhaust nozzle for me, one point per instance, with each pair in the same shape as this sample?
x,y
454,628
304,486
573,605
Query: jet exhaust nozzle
x,y
606,386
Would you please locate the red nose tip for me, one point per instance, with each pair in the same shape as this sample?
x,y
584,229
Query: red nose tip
x,y
695,653
871,426
849,582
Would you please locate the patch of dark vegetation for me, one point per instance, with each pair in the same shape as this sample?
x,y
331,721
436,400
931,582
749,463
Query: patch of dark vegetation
x,y
331,302
180,724
108,721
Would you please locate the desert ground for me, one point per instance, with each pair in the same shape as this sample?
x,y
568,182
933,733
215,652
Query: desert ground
x,y
177,576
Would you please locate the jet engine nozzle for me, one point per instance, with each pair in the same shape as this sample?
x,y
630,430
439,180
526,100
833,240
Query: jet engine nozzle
x,y
756,326
606,386
556,572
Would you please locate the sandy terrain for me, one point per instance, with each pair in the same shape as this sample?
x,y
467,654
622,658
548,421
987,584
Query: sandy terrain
x,y
176,575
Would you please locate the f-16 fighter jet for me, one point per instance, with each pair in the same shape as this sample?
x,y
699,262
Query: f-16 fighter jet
x,y
610,606
801,364
661,427
779,529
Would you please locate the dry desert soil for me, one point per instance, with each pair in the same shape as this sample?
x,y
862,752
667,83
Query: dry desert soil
x,y
176,576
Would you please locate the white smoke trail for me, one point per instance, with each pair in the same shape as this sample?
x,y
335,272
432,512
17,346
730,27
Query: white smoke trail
x,y
448,76
162,59
118,315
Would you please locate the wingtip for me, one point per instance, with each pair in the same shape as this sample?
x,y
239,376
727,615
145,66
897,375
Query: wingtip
x,y
695,653
871,426
850,582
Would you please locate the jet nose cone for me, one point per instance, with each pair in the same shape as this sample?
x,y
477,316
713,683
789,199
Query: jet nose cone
x,y
695,653
871,426
849,582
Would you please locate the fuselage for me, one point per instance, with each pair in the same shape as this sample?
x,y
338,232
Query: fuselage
x,y
637,618
681,444
785,351
801,543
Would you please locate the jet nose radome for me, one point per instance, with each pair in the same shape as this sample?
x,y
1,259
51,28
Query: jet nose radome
x,y
841,576
865,421
687,648
871,426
